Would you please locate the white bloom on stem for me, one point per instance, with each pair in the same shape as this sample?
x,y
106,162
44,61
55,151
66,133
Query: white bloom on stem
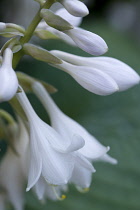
x,y
51,156
121,73
12,177
92,79
8,78
75,7
87,41
68,127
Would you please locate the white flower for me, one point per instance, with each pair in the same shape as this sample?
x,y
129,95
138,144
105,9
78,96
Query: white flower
x,y
68,127
75,7
12,177
2,26
51,156
121,73
8,78
87,41
92,79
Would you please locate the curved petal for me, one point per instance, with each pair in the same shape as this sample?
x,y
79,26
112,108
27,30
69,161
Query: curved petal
x,y
83,162
108,158
40,188
81,177
57,167
35,167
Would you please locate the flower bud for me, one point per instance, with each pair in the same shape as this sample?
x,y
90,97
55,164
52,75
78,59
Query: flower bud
x,y
88,41
8,78
75,7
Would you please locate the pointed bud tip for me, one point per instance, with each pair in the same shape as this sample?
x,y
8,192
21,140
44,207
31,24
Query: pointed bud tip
x,y
27,189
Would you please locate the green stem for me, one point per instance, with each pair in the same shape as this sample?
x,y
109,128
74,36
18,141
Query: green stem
x,y
29,32
7,116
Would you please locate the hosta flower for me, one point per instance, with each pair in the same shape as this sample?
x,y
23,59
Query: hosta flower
x,y
8,78
121,73
75,7
51,155
69,128
12,177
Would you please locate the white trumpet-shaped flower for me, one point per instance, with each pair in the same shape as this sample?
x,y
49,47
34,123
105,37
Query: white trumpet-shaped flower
x,y
75,7
121,73
69,128
51,155
92,79
8,78
12,177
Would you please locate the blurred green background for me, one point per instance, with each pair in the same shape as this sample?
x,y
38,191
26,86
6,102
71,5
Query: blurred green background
x,y
114,120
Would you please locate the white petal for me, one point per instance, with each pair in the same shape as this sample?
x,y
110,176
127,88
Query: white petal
x,y
35,167
81,177
40,188
108,158
83,162
88,41
75,21
123,74
74,7
57,168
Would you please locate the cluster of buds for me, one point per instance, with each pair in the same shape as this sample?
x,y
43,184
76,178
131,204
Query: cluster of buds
x,y
46,158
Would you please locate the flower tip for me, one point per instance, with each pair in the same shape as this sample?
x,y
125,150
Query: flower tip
x,y
27,189
107,148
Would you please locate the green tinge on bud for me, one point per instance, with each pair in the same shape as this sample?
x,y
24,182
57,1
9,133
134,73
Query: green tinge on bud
x,y
55,21
44,34
27,81
41,54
